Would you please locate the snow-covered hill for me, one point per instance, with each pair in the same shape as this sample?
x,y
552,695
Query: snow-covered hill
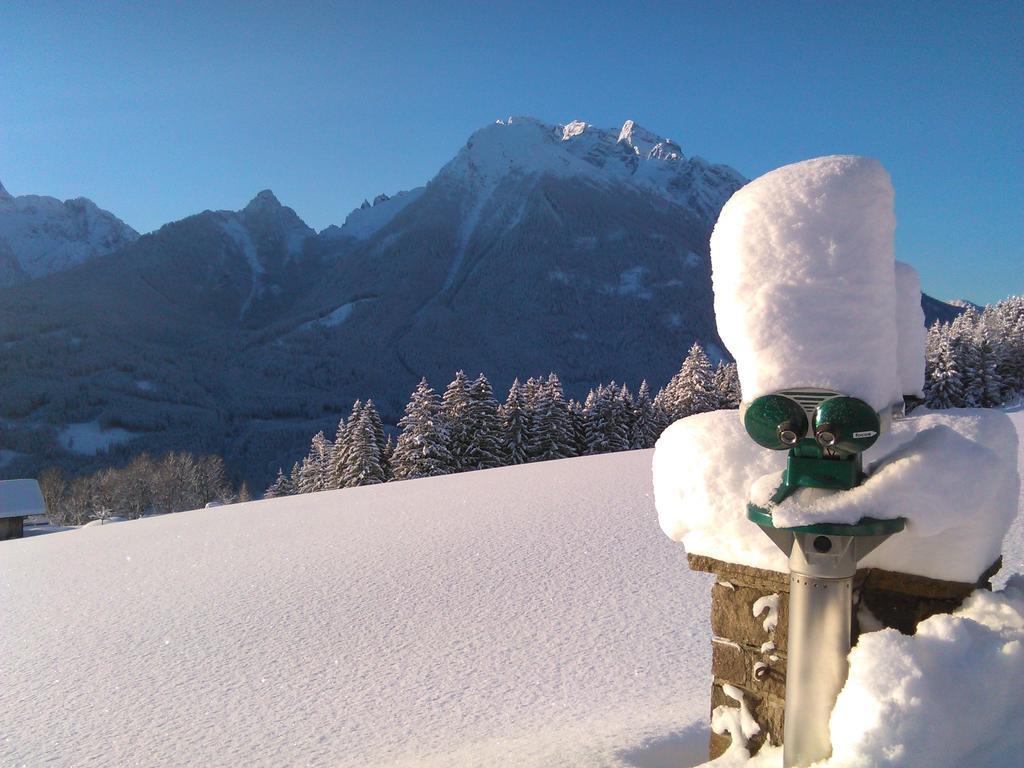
x,y
526,616
518,616
40,235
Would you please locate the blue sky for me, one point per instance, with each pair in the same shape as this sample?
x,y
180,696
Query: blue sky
x,y
159,110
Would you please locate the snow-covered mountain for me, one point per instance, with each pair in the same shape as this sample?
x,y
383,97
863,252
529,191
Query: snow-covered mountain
x,y
40,235
538,247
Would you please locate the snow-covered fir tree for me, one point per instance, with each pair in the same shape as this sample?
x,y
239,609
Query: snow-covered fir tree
x,y
608,420
690,391
383,455
315,469
421,449
515,426
580,426
645,430
727,385
339,454
457,413
485,449
552,434
945,386
282,486
362,456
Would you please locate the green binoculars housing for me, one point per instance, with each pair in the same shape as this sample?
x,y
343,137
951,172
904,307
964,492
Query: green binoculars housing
x,y
825,433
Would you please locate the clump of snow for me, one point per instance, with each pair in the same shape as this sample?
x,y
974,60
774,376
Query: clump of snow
x,y
911,334
804,280
703,468
952,474
769,604
738,722
947,696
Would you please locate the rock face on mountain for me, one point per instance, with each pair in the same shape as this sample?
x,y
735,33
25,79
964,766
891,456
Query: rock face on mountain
x,y
40,235
536,248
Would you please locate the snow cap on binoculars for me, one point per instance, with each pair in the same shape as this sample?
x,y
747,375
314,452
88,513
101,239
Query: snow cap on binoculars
x,y
805,280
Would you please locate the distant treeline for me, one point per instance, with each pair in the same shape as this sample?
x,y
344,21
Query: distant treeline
x,y
172,483
467,429
977,360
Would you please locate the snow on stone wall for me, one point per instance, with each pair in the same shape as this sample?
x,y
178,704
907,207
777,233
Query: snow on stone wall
x,y
953,474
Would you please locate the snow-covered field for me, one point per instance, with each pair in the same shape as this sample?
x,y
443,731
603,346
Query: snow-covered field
x,y
527,616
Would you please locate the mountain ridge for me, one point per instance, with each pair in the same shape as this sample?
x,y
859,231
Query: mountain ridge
x,y
537,247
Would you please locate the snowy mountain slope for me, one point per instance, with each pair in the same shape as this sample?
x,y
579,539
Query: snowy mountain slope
x,y
538,247
528,616
40,235
521,616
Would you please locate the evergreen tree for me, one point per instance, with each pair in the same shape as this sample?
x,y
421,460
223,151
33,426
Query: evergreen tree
x,y
362,459
609,429
421,450
945,388
339,453
376,424
580,427
645,426
296,478
515,426
697,388
315,469
457,414
552,434
386,454
727,385
281,486
485,443
987,386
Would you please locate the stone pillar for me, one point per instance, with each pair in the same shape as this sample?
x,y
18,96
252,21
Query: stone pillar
x,y
748,650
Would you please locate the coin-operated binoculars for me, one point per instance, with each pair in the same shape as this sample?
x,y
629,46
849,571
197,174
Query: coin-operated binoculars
x,y
825,433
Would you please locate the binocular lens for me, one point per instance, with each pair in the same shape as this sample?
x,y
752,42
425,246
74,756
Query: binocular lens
x,y
788,436
846,424
775,421
826,436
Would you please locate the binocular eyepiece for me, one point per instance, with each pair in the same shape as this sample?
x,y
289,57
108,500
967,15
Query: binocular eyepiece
x,y
836,423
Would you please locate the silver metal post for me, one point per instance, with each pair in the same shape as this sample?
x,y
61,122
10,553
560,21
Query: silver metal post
x,y
820,615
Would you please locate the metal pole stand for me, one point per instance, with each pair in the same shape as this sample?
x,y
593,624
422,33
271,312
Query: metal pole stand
x,y
822,562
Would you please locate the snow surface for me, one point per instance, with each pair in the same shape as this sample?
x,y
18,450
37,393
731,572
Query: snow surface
x,y
89,437
531,616
953,474
804,280
911,333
